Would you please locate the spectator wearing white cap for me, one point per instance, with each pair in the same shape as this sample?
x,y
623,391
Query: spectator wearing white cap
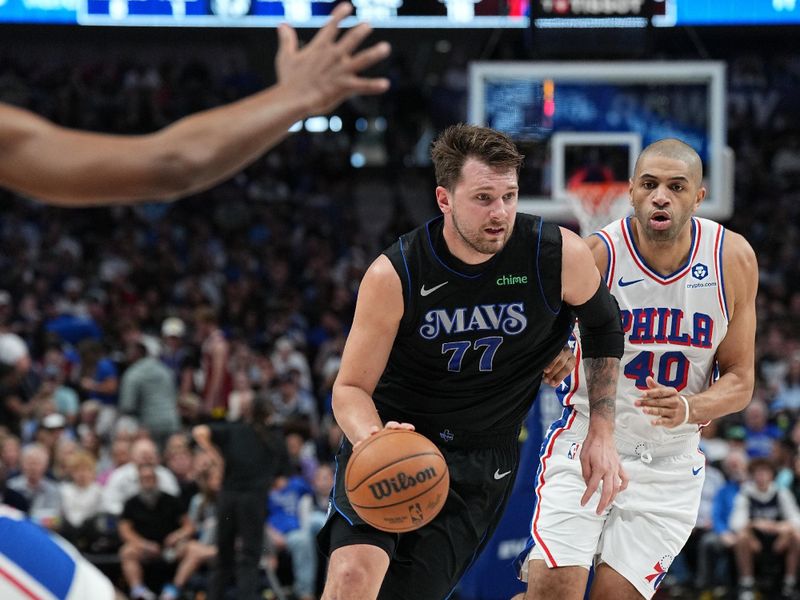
x,y
51,430
174,352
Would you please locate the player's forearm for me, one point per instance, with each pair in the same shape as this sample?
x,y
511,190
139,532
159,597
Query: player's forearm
x,y
355,412
601,384
208,147
729,394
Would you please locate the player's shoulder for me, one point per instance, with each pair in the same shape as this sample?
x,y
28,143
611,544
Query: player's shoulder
x,y
574,248
570,239
599,249
380,268
381,277
737,251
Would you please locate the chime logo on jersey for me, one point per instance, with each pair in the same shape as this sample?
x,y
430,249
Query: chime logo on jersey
x,y
512,280
508,318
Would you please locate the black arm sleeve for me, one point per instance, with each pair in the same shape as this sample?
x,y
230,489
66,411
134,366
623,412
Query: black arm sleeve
x,y
600,325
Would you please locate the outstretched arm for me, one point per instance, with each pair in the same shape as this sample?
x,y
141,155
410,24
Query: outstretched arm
x,y
76,168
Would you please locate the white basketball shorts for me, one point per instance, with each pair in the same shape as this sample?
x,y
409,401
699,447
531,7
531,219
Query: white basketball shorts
x,y
644,528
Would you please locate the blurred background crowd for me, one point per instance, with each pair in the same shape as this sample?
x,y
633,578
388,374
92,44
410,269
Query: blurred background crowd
x,y
122,329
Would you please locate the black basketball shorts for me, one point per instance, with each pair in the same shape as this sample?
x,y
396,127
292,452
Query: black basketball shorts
x,y
426,564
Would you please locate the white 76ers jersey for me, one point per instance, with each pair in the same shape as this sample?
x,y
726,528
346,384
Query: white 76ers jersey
x,y
673,325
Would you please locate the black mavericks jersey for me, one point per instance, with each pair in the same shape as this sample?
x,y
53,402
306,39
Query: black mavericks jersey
x,y
473,339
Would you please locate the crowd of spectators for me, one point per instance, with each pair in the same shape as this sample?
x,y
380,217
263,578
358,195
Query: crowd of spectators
x,y
121,329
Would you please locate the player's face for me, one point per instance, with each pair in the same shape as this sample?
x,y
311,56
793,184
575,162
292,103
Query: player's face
x,y
481,210
665,193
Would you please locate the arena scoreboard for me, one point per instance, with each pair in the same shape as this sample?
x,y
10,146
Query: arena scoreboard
x,y
414,14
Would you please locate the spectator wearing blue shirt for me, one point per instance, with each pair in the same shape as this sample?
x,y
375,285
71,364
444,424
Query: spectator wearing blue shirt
x,y
761,434
286,533
99,376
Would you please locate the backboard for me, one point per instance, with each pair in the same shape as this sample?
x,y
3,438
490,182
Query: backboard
x,y
585,121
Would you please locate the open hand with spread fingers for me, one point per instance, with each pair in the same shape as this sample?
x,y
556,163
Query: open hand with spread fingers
x,y
326,71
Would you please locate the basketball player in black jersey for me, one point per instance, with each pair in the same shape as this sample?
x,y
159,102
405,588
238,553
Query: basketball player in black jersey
x,y
454,325
77,168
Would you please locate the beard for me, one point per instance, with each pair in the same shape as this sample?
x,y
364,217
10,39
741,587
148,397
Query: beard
x,y
150,497
477,242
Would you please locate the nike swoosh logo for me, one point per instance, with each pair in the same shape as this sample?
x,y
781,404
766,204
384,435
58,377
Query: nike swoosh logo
x,y
425,292
499,475
627,283
697,470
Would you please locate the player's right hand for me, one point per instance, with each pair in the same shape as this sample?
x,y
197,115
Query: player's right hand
x,y
325,72
389,425
562,365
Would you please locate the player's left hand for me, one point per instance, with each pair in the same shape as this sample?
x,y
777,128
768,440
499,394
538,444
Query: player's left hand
x,y
664,403
562,365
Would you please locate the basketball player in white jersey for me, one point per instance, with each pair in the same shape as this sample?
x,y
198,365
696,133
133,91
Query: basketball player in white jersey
x,y
686,288
36,564
76,168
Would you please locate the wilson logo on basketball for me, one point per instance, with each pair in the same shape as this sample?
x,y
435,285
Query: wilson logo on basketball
x,y
394,485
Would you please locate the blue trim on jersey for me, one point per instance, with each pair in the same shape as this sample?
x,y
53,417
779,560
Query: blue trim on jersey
x,y
519,562
33,550
539,273
436,256
722,275
608,262
333,491
555,426
405,264
644,262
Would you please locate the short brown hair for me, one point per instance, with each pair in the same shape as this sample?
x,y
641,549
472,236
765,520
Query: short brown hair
x,y
459,142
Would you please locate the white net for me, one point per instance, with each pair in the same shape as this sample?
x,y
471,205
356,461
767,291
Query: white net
x,y
595,205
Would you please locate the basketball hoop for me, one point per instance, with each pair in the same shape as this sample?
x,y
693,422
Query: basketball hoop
x,y
596,204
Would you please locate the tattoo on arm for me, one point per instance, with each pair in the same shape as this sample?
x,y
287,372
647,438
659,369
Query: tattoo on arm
x,y
601,383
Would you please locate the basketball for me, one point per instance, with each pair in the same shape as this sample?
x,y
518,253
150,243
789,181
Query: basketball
x,y
397,480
